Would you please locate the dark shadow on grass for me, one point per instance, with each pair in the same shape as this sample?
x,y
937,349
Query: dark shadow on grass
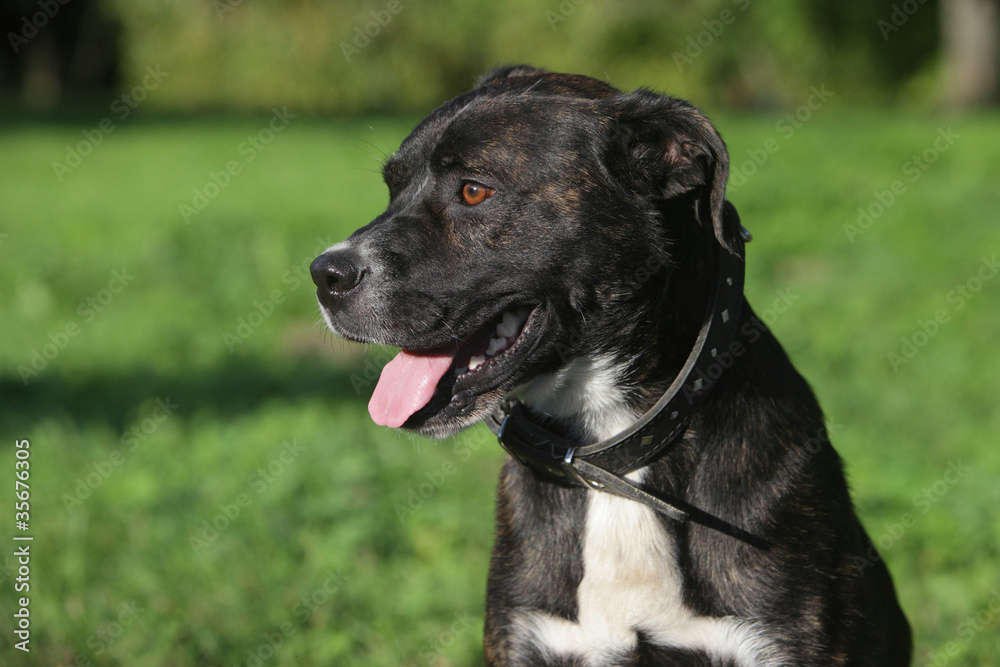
x,y
239,387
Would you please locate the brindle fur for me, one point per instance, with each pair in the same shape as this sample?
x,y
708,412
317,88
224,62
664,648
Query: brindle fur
x,y
592,186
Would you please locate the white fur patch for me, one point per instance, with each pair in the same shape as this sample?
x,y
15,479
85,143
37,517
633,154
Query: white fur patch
x,y
631,580
584,392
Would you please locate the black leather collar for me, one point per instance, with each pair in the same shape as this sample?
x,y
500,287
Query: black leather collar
x,y
602,465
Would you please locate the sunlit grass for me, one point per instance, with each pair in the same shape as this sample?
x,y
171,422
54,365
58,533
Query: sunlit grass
x,y
263,517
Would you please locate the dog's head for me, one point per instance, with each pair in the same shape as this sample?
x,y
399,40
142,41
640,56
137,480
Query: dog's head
x,y
531,220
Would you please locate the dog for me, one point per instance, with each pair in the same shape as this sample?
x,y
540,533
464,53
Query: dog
x,y
559,260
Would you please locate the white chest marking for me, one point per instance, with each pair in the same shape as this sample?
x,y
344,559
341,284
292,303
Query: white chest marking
x,y
585,392
631,582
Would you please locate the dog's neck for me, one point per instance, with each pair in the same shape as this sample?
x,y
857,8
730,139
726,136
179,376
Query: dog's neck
x,y
586,396
601,393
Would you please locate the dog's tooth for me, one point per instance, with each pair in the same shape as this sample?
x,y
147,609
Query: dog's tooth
x,y
509,326
476,362
496,344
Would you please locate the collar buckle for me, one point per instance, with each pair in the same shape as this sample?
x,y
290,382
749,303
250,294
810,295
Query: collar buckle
x,y
571,472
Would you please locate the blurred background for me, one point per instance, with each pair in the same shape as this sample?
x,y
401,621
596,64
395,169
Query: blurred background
x,y
205,485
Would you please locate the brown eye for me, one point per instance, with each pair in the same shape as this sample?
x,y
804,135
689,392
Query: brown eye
x,y
475,193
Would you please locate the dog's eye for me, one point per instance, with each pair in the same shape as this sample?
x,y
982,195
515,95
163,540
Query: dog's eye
x,y
475,193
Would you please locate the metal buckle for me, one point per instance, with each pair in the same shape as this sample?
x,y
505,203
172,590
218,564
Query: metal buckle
x,y
572,473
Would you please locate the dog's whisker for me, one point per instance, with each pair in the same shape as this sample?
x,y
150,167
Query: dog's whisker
x,y
389,148
380,158
376,158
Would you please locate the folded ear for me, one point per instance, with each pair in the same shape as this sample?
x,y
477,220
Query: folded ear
x,y
663,147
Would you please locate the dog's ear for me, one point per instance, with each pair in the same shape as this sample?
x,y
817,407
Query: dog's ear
x,y
664,147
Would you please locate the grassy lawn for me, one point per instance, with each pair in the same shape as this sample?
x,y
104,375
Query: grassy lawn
x,y
207,488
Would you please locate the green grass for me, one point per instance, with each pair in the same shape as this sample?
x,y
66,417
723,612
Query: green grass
x,y
321,566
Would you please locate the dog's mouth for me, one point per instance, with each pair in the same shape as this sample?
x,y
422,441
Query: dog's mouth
x,y
417,386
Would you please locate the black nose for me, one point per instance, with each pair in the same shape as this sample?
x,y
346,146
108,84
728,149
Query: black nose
x,y
336,272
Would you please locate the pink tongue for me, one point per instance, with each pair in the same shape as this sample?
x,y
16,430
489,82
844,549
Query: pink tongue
x,y
406,385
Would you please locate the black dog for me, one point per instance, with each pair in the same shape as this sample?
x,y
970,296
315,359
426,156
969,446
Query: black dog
x,y
558,258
